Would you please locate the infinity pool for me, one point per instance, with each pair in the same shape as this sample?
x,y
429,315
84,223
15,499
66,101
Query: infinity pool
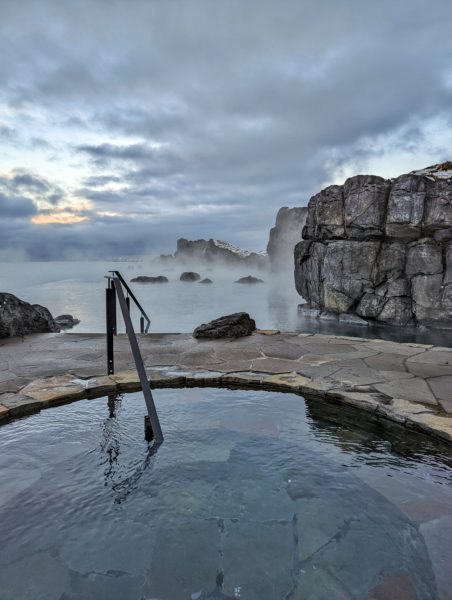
x,y
253,495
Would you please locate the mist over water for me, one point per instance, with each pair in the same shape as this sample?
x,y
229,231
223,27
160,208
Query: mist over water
x,y
78,288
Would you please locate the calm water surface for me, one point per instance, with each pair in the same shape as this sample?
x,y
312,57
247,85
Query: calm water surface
x,y
253,495
78,288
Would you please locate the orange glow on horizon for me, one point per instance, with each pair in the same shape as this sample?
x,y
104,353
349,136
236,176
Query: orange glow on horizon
x,y
62,218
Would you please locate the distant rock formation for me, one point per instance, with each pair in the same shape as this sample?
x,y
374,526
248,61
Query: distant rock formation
x,y
146,279
249,279
285,235
219,252
190,276
230,326
21,318
206,280
381,249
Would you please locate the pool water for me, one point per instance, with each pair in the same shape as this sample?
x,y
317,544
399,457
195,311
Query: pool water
x,y
253,495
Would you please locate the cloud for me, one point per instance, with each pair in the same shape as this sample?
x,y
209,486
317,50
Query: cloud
x,y
104,152
13,207
22,186
203,119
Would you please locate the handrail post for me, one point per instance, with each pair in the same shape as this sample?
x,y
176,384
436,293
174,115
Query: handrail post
x,y
110,301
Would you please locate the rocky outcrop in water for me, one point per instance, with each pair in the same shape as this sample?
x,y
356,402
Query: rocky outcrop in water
x,y
18,318
190,276
285,235
249,280
381,249
217,252
229,326
147,279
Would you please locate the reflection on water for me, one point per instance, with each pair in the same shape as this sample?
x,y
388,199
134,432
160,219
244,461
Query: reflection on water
x,y
78,288
252,495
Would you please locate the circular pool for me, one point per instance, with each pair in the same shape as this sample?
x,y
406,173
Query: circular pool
x,y
253,495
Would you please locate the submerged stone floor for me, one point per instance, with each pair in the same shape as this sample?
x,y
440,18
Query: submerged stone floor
x,y
407,383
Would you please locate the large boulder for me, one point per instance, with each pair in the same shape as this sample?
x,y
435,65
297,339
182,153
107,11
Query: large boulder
x,y
66,321
229,326
381,249
19,318
284,235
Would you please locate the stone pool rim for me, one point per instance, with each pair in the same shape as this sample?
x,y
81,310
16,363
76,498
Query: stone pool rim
x,y
47,392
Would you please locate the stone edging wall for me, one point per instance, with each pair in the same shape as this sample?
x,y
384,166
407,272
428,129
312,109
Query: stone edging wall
x,y
61,389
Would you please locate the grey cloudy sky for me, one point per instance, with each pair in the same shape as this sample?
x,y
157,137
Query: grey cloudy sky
x,y
127,124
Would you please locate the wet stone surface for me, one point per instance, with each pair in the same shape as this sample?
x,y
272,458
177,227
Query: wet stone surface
x,y
55,368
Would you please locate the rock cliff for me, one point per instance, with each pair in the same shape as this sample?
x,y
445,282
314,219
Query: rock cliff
x,y
285,235
217,251
381,249
21,318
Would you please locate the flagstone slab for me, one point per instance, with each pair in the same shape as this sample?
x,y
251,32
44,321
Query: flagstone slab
x,y
52,389
274,365
399,410
284,350
394,375
291,381
442,388
127,381
359,374
226,353
427,370
415,390
4,412
386,361
436,357
440,426
233,365
19,404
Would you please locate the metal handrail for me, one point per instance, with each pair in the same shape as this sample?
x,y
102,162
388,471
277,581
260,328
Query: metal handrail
x,y
137,304
115,292
153,423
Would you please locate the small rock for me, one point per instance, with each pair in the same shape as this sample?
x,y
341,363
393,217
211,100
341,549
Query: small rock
x,y
190,276
146,279
230,326
249,279
66,321
206,280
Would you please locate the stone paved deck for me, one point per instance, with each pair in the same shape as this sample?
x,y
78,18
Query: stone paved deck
x,y
407,383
